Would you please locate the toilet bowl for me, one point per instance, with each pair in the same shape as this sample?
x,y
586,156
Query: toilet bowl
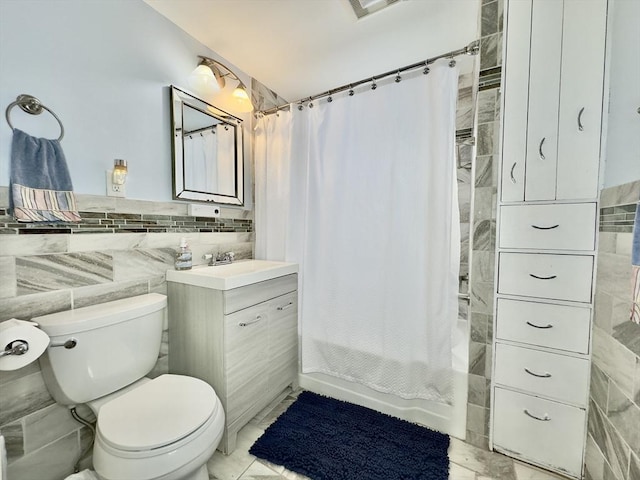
x,y
166,428
147,429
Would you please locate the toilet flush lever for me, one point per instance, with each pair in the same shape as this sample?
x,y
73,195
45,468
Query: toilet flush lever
x,y
68,344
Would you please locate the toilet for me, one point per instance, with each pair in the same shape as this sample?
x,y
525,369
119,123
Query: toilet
x,y
147,429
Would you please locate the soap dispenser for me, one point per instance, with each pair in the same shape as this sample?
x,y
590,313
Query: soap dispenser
x,y
184,256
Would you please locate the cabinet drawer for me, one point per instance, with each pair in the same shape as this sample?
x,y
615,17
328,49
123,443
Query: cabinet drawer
x,y
548,227
243,297
556,440
562,277
554,326
552,375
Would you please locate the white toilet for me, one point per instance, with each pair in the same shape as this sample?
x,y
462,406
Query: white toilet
x,y
161,429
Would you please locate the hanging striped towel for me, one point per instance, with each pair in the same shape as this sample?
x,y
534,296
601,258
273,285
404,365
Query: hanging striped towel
x,y
635,261
41,189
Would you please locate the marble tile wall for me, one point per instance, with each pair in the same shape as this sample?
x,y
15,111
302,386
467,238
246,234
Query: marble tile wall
x,y
484,224
613,443
47,272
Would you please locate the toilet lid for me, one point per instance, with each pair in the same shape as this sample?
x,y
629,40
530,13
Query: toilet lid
x,y
157,413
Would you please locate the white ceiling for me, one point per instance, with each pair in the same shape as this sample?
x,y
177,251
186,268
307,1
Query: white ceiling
x,y
300,48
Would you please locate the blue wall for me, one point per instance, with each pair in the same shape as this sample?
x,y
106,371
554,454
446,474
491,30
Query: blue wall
x,y
104,67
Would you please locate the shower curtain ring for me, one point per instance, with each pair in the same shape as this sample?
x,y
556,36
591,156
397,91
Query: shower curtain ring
x,y
373,83
329,99
426,70
452,63
398,77
351,92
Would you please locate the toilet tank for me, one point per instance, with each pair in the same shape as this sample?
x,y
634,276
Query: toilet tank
x,y
116,343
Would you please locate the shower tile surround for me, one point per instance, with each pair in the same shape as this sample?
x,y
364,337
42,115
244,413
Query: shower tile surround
x,y
483,226
613,441
46,269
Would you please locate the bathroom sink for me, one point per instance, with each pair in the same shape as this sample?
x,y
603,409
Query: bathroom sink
x,y
234,275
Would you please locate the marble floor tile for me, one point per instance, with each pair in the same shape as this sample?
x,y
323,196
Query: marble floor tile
x,y
466,461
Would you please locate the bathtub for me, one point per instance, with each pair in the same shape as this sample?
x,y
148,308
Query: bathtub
x,y
445,418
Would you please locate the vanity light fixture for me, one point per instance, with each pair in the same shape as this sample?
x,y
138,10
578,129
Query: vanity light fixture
x,y
209,78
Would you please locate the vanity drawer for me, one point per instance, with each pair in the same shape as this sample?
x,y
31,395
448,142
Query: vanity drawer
x,y
549,374
554,326
548,227
554,439
562,277
243,297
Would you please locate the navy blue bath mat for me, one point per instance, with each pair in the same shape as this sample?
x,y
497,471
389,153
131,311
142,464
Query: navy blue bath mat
x,y
327,439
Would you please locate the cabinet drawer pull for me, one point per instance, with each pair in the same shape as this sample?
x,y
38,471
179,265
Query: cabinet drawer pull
x,y
539,326
539,375
250,322
546,417
513,167
551,277
284,307
580,126
542,157
537,227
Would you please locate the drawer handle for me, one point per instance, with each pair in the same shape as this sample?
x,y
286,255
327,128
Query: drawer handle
x,y
284,307
539,375
551,277
545,228
580,126
546,417
513,167
250,322
542,157
539,326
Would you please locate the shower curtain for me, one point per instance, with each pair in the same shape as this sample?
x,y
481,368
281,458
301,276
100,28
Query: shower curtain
x,y
361,192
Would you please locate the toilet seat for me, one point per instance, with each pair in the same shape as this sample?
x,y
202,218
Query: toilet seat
x,y
157,414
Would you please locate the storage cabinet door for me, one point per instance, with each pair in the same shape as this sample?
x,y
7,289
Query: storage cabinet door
x,y
245,340
516,95
283,341
544,92
583,47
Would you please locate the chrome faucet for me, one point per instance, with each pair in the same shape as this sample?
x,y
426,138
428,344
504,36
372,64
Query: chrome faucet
x,y
219,259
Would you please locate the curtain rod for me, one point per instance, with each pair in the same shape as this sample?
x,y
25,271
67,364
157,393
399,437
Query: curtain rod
x,y
472,49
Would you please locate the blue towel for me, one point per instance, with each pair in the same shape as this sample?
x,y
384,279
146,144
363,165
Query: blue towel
x,y
40,184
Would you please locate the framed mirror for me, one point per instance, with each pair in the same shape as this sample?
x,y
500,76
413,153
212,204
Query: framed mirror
x,y
207,150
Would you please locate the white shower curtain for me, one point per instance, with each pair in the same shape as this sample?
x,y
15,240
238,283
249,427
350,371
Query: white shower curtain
x,y
361,192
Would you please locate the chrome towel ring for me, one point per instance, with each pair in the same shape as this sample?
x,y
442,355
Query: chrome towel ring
x,y
33,106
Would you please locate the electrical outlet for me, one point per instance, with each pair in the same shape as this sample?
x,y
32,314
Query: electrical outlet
x,y
197,210
114,190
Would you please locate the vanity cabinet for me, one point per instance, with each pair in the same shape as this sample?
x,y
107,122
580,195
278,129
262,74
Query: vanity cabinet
x,y
553,99
242,341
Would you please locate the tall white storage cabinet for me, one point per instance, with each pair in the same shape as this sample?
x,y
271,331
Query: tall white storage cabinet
x,y
553,85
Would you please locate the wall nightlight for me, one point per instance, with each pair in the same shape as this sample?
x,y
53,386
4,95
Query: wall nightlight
x,y
116,178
